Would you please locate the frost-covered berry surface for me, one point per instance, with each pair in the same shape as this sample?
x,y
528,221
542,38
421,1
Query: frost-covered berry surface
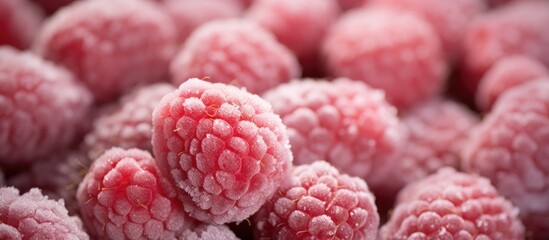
x,y
222,147
32,215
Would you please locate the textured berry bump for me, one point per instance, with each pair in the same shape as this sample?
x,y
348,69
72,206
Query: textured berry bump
x,y
317,202
209,232
34,216
224,148
389,49
344,122
19,22
128,123
452,205
124,197
436,133
235,52
111,46
506,74
35,119
510,148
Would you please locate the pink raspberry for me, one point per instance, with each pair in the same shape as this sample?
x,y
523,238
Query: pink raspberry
x,y
437,131
453,205
110,45
299,25
36,120
190,14
128,123
209,232
515,29
506,74
344,122
317,202
389,49
34,216
19,22
57,176
448,18
124,197
224,149
235,52
509,148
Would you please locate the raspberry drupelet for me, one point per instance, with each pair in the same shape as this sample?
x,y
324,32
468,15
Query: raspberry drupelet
x,y
344,122
510,148
123,196
20,20
34,216
128,123
453,205
390,49
110,46
224,149
235,52
435,134
190,14
317,202
57,176
35,119
506,74
299,25
448,18
519,28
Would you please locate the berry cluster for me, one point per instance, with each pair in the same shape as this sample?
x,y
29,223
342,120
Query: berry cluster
x,y
274,119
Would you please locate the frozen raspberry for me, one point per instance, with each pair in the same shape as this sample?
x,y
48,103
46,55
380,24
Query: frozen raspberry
x,y
344,122
437,131
19,22
509,148
209,232
448,18
57,176
299,25
224,149
505,74
235,52
110,45
515,29
317,202
389,49
50,6
452,205
128,124
34,216
41,107
190,14
123,196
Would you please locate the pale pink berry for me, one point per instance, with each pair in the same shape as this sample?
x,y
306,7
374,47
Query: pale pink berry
x,y
235,52
453,205
111,46
389,49
224,149
317,202
123,196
